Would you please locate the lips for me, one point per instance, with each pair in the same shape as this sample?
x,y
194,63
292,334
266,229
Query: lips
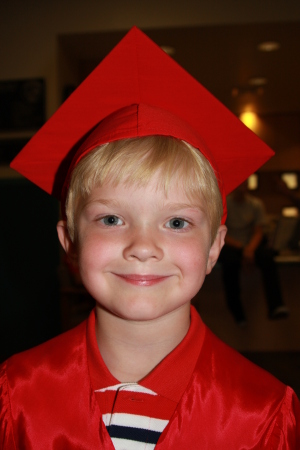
x,y
142,280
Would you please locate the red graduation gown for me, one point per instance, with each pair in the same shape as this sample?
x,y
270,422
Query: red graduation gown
x,y
47,402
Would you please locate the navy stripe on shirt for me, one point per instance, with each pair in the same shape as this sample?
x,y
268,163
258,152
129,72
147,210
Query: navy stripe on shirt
x,y
133,434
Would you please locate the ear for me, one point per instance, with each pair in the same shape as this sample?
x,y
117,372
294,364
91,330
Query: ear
x,y
65,240
216,248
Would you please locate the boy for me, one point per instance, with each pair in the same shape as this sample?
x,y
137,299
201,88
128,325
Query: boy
x,y
143,207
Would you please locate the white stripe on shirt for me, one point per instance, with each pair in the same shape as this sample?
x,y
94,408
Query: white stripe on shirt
x,y
135,421
130,387
126,444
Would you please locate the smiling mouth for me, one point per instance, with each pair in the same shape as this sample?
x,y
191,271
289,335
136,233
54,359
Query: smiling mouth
x,y
142,280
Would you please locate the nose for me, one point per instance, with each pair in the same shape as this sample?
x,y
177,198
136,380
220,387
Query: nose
x,y
143,245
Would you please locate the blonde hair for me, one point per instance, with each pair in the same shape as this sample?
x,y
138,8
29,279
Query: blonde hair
x,y
135,161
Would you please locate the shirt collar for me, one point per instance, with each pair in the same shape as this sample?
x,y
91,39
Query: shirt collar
x,y
169,378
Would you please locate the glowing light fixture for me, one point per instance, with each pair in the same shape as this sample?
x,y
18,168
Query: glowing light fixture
x,y
168,49
258,81
268,46
249,119
252,182
290,179
290,211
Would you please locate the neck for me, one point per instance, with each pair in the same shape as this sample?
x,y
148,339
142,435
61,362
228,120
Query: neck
x,y
131,349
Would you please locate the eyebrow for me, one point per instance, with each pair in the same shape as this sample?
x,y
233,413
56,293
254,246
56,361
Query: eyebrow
x,y
103,201
112,202
179,206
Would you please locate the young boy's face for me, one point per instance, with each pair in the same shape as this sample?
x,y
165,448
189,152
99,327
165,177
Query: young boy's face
x,y
142,254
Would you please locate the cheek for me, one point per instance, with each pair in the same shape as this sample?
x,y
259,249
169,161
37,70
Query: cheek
x,y
192,256
94,251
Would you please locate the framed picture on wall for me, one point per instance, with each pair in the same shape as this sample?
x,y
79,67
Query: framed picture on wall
x,y
22,104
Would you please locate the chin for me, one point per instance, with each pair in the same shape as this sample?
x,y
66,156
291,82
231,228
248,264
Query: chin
x,y
138,312
148,312
140,315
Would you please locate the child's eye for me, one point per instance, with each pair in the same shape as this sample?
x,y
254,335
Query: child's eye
x,y
111,221
177,224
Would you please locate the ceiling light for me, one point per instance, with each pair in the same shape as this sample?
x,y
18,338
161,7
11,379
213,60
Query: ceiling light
x,y
250,119
290,179
258,81
268,46
168,49
290,211
252,182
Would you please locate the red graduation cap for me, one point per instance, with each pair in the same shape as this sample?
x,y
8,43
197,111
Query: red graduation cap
x,y
138,90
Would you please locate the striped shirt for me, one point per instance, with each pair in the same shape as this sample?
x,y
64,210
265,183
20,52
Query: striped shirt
x,y
136,415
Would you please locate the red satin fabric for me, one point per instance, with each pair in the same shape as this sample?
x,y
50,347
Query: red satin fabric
x,y
47,402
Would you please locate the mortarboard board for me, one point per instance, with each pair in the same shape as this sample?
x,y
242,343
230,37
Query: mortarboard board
x,y
138,90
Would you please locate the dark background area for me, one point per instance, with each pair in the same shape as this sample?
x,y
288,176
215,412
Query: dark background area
x,y
29,257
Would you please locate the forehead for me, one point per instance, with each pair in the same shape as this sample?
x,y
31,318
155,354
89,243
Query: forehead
x,y
153,192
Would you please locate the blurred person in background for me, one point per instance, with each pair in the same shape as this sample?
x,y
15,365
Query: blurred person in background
x,y
246,246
